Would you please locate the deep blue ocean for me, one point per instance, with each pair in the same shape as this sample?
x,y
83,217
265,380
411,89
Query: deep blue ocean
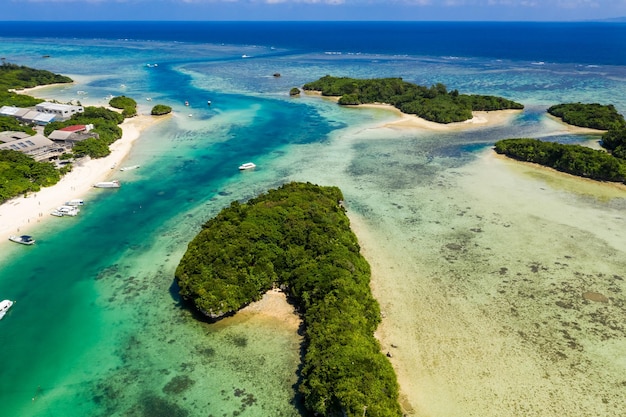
x,y
98,329
583,43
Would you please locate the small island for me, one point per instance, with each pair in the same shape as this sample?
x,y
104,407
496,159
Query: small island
x,y
298,238
434,103
593,116
572,159
609,165
160,110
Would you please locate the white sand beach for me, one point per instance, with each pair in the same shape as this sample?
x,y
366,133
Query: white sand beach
x,y
22,214
481,119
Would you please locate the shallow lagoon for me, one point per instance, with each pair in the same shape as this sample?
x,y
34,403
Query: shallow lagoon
x,y
480,264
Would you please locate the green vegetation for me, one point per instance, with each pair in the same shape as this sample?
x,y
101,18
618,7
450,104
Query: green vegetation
x,y
126,104
294,91
8,98
595,116
11,124
15,77
573,159
433,103
615,141
19,174
160,110
105,124
298,237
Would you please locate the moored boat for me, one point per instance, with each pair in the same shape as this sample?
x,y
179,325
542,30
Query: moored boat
x,y
5,305
129,168
247,165
24,239
66,211
108,184
75,202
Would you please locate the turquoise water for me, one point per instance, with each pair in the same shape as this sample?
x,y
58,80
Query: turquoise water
x,y
98,328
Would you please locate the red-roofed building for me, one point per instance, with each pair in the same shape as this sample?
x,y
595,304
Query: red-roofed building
x,y
74,128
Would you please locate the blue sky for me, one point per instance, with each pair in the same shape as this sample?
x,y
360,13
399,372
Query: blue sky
x,y
482,10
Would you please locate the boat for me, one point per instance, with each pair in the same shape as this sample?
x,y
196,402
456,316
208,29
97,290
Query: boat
x,y
108,184
5,305
247,165
186,103
24,239
75,202
66,211
129,168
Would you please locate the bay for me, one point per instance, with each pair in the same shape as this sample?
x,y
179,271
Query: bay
x,y
472,256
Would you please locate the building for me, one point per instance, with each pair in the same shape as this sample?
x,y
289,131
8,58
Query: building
x,y
38,118
71,134
27,115
61,111
39,147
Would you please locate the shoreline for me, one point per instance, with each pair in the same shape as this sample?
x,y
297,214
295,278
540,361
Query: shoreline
x,y
407,121
410,121
22,214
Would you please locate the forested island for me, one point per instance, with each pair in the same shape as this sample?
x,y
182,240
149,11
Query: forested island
x,y
594,115
298,237
572,159
609,165
434,103
14,77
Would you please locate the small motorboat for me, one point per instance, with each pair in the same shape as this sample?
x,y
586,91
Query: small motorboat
x,y
24,239
108,184
5,305
75,202
66,211
247,165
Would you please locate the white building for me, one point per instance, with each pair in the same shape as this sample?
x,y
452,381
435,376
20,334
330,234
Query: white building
x,y
61,111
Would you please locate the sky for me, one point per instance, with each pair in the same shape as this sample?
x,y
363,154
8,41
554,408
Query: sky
x,y
216,10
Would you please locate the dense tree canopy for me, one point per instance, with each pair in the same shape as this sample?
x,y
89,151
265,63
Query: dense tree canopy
x,y
615,142
11,124
299,237
433,103
595,116
14,76
160,109
573,159
126,104
105,124
19,174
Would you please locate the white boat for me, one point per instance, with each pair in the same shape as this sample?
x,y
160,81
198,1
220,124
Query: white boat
x,y
129,168
108,184
75,202
24,239
5,305
247,165
66,211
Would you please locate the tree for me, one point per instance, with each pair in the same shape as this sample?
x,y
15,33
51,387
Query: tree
x,y
160,109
